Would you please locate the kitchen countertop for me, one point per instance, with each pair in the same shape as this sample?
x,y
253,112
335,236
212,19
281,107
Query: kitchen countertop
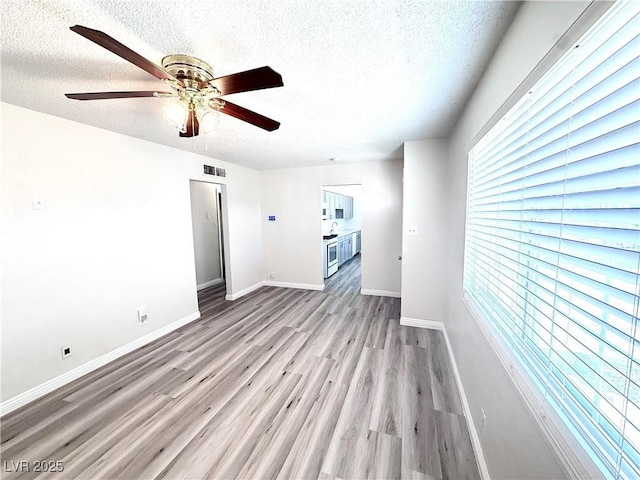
x,y
343,233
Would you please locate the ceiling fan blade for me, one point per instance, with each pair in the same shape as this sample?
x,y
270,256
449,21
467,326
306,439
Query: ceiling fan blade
x,y
256,79
106,95
248,116
121,50
192,124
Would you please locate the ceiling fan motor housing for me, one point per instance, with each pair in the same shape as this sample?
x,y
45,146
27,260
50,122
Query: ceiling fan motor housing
x,y
194,75
192,71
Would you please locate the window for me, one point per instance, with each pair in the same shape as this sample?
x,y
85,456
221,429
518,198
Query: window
x,y
552,248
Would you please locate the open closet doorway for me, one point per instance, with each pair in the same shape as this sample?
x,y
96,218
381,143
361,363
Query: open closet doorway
x,y
342,237
208,237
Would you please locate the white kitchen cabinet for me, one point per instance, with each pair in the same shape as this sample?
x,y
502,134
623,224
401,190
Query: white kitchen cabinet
x,y
348,207
334,201
348,246
332,205
344,249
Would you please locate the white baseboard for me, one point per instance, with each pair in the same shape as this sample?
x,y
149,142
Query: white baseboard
x,y
304,286
210,283
420,323
273,283
475,439
243,292
380,293
67,377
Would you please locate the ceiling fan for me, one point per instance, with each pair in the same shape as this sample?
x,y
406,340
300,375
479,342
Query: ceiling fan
x,y
196,90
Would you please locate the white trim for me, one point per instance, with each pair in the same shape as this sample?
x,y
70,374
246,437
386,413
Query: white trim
x,y
304,286
273,283
210,283
380,293
67,377
420,323
475,439
572,455
243,292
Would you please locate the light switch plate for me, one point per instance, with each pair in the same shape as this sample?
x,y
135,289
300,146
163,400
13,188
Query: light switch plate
x,y
412,231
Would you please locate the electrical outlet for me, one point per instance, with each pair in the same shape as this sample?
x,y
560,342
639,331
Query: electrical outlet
x,y
484,419
37,202
142,316
66,351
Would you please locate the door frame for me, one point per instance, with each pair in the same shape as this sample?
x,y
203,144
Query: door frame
x,y
328,186
222,215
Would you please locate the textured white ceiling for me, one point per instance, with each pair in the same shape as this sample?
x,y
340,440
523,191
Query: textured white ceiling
x,y
361,77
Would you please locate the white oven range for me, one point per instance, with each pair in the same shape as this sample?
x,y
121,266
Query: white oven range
x,y
330,256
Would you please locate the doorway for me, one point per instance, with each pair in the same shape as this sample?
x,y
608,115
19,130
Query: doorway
x,y
342,233
208,233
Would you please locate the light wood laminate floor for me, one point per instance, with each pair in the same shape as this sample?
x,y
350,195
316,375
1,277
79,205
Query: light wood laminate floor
x,y
281,383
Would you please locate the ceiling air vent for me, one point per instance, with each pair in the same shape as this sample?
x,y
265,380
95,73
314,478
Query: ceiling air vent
x,y
216,171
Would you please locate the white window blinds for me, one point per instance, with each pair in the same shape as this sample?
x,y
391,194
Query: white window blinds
x,y
552,252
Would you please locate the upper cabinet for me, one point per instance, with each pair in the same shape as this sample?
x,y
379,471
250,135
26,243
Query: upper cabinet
x,y
338,206
349,207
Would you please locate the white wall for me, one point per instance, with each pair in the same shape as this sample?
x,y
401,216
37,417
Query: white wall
x,y
424,202
242,229
115,235
293,243
513,442
206,232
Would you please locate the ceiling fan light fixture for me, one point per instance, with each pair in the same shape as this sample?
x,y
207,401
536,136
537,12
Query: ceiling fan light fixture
x,y
208,119
175,114
193,83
